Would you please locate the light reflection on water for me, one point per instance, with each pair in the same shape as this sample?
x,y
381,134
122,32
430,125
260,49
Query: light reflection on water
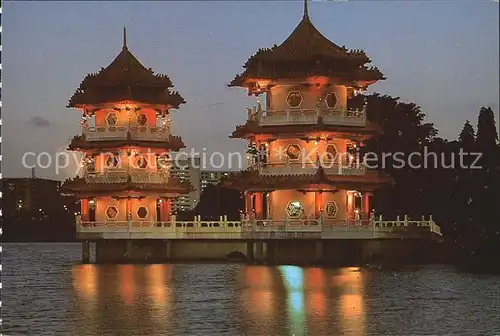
x,y
49,293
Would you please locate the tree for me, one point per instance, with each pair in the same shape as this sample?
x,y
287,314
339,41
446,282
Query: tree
x,y
467,138
216,201
487,135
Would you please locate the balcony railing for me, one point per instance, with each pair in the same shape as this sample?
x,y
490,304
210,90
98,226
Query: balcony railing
x,y
375,228
121,133
290,168
122,176
338,116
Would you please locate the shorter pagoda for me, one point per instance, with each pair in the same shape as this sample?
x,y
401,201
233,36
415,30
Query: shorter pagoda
x,y
126,142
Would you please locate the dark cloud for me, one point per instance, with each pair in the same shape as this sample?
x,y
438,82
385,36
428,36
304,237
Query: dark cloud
x,y
38,121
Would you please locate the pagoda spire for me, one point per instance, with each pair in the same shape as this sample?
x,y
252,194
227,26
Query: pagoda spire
x,y
306,10
124,38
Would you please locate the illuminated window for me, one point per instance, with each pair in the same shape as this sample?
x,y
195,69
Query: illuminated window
x,y
294,209
331,99
142,212
111,212
293,152
294,99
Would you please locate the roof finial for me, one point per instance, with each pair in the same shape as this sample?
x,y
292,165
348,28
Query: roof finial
x,y
306,11
124,37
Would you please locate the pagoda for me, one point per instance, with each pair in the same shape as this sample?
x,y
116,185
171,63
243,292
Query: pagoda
x,y
126,140
304,155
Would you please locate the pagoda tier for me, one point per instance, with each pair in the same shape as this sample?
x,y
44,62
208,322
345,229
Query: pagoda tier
x,y
128,185
126,79
320,180
306,53
252,129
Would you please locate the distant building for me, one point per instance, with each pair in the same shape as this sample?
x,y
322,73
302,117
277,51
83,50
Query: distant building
x,y
211,177
187,170
190,170
33,195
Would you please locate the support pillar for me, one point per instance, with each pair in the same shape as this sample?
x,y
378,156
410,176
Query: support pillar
x,y
128,248
85,252
258,205
168,244
250,251
318,251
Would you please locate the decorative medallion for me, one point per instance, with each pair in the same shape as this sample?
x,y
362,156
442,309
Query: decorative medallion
x,y
112,161
331,152
294,209
331,209
331,100
142,162
111,119
294,99
142,119
293,152
111,212
142,212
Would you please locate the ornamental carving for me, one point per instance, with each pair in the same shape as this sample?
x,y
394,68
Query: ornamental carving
x,y
331,209
142,212
294,209
331,152
111,119
142,162
112,161
331,99
111,212
293,152
142,119
294,99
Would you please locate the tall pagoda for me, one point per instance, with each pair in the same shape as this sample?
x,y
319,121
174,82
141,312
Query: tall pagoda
x,y
303,153
125,141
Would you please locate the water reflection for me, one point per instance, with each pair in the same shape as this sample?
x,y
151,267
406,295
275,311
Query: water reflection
x,y
291,300
123,297
286,300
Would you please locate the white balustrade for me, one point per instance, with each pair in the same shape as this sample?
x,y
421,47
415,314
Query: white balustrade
x,y
339,116
259,229
121,133
290,168
122,176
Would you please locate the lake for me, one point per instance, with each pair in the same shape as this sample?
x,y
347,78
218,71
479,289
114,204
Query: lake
x,y
47,292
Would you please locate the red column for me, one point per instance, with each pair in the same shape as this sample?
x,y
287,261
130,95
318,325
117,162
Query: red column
x,y
84,204
129,208
248,203
366,204
318,202
167,203
258,205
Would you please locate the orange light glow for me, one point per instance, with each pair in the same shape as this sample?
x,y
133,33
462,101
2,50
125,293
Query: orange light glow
x,y
85,281
127,283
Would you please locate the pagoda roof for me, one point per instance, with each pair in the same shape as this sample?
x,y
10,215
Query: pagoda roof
x,y
78,186
126,79
252,180
79,142
308,53
252,128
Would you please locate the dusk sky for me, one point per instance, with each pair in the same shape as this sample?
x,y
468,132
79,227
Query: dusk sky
x,y
444,56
